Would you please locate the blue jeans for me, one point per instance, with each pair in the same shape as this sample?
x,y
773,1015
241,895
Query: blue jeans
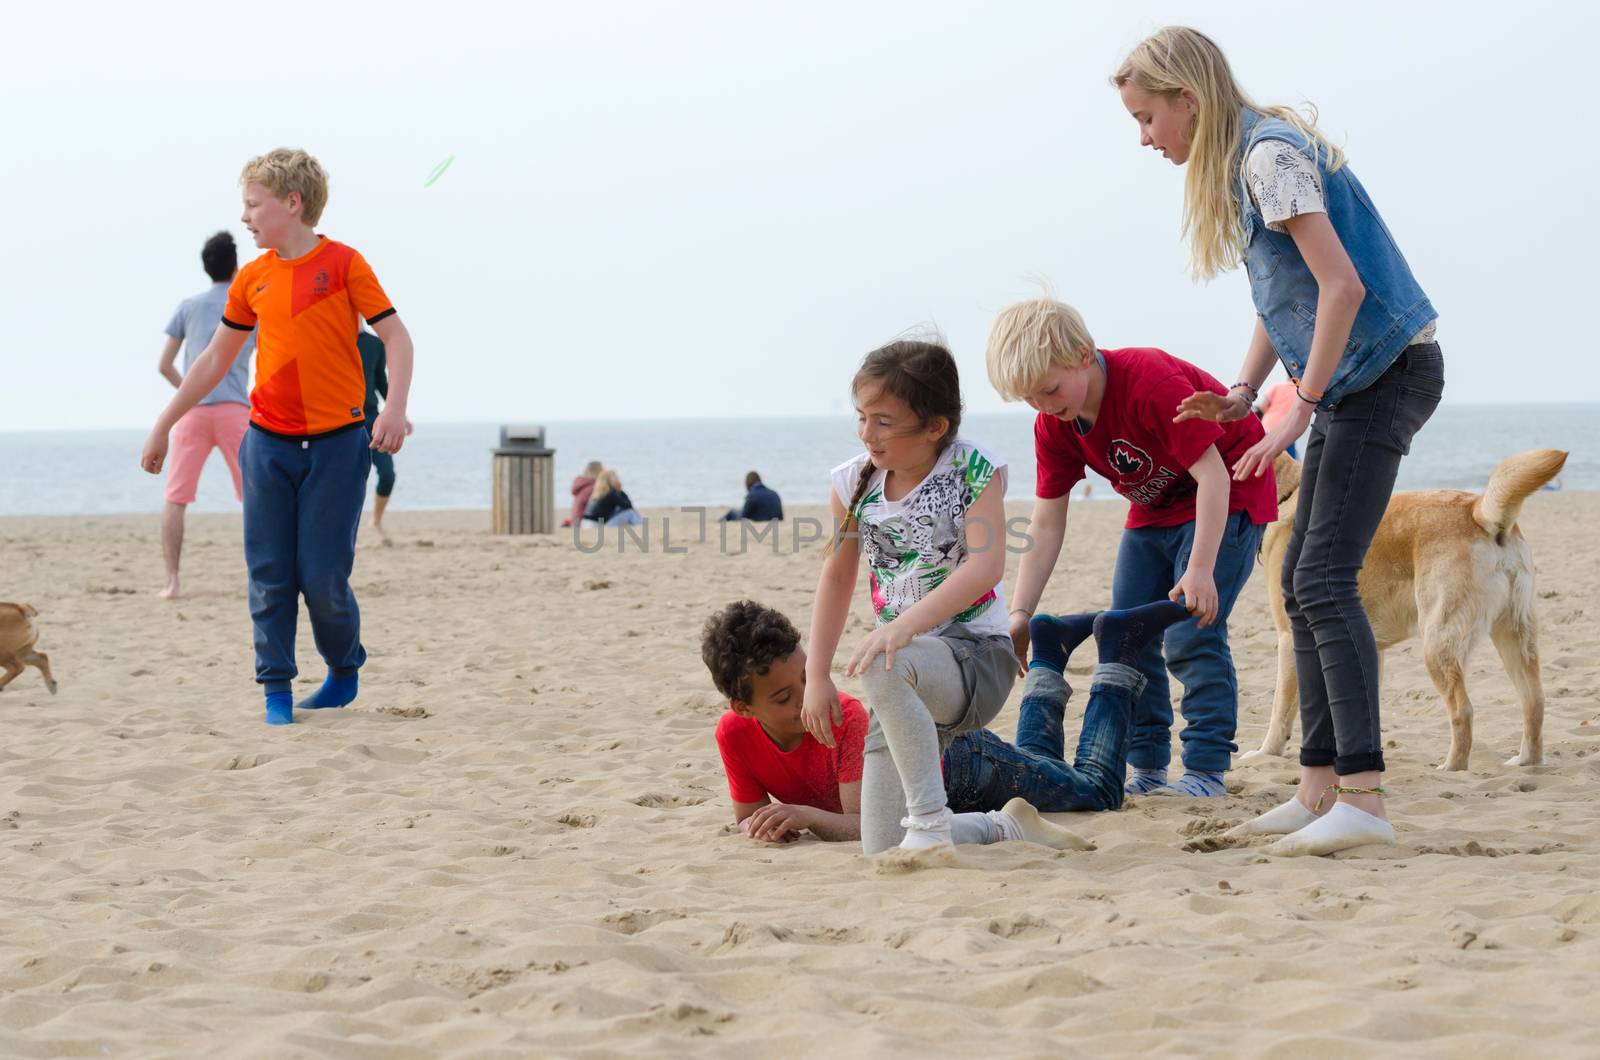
x,y
1150,561
1352,458
982,771
302,506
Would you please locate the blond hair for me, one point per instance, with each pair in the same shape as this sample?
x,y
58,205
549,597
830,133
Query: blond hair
x,y
1030,338
1176,58
604,483
289,169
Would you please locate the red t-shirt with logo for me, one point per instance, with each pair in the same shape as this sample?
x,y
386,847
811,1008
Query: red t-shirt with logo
x,y
809,775
1136,446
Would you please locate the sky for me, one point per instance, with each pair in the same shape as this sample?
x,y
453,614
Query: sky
x,y
717,208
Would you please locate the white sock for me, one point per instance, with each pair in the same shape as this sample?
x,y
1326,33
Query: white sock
x,y
1280,820
1340,828
1019,822
925,830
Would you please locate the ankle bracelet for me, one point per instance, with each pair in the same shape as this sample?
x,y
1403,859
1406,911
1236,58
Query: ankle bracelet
x,y
1337,791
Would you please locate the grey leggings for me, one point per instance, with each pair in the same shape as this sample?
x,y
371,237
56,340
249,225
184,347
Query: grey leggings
x,y
917,708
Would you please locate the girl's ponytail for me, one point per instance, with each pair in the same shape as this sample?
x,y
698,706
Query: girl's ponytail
x,y
843,530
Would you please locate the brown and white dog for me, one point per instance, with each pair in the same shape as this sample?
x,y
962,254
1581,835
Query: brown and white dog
x,y
1450,565
18,634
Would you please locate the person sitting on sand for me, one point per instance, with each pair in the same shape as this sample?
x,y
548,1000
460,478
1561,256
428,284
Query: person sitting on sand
x,y
583,490
610,505
761,503
783,781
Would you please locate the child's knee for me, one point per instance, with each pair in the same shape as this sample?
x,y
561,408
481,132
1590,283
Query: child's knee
x,y
879,683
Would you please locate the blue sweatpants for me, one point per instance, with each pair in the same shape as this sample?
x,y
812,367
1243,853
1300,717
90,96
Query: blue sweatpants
x,y
302,505
1150,561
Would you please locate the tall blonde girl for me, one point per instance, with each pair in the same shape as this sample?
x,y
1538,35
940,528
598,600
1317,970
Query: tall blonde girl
x,y
1338,305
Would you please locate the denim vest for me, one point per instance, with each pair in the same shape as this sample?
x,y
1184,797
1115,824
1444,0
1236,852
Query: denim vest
x,y
1285,292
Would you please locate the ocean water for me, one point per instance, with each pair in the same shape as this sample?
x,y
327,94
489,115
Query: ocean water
x,y
667,463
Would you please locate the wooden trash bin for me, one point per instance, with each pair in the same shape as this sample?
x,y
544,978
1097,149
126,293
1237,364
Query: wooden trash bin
x,y
524,475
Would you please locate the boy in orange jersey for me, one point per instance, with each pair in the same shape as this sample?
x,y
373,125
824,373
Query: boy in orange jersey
x,y
306,458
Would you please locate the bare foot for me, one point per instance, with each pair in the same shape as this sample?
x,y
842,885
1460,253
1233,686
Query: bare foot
x,y
383,535
170,592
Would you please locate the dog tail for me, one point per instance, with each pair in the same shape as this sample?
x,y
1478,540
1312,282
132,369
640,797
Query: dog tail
x,y
1513,481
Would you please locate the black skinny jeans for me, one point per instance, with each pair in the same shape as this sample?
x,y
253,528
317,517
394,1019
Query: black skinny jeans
x,y
1352,457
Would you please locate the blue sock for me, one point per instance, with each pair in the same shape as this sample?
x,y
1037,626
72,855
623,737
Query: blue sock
x,y
335,692
1054,638
1121,635
1201,785
279,709
1144,781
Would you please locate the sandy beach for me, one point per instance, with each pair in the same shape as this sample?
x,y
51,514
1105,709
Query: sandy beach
x,y
518,840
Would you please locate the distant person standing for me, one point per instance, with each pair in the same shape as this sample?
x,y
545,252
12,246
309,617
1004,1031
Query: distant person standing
x,y
761,503
222,416
375,366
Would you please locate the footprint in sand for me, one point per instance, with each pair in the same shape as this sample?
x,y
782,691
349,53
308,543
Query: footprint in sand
x,y
242,761
659,801
405,712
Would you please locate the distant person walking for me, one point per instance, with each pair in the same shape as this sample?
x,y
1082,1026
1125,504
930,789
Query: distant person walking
x,y
375,366
761,503
222,416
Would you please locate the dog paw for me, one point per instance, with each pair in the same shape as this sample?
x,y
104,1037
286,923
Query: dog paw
x,y
1260,752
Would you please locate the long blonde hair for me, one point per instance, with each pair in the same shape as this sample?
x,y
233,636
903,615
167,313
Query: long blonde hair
x,y
604,483
1175,58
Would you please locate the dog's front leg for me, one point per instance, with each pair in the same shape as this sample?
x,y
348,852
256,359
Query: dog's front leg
x,y
1285,703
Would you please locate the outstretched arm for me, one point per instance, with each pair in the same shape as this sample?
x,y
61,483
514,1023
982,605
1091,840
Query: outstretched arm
x,y
207,371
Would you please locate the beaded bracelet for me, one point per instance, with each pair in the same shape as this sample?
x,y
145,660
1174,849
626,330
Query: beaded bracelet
x,y
1254,393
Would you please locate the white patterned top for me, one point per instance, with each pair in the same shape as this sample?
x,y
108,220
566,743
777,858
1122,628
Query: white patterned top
x,y
1284,184
912,545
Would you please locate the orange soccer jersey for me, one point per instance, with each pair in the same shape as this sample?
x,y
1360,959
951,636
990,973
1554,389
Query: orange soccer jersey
x,y
308,369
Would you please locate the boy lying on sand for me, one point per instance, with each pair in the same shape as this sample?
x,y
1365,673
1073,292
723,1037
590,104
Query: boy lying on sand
x,y
783,781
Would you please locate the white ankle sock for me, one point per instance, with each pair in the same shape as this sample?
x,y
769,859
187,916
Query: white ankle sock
x,y
1340,828
1019,822
924,830
1280,820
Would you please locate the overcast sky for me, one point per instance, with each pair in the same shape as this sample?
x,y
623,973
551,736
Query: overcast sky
x,y
693,209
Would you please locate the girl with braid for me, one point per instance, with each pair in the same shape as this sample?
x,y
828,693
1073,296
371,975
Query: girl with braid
x,y
926,508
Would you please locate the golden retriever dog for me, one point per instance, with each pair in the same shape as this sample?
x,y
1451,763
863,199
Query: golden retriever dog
x,y
1449,565
18,634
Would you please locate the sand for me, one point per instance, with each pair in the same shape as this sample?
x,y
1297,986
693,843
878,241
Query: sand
x,y
517,841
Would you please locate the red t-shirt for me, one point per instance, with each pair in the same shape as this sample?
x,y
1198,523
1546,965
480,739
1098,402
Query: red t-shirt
x,y
809,775
1146,456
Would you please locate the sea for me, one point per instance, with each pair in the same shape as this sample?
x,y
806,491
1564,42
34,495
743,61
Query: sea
x,y
693,462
